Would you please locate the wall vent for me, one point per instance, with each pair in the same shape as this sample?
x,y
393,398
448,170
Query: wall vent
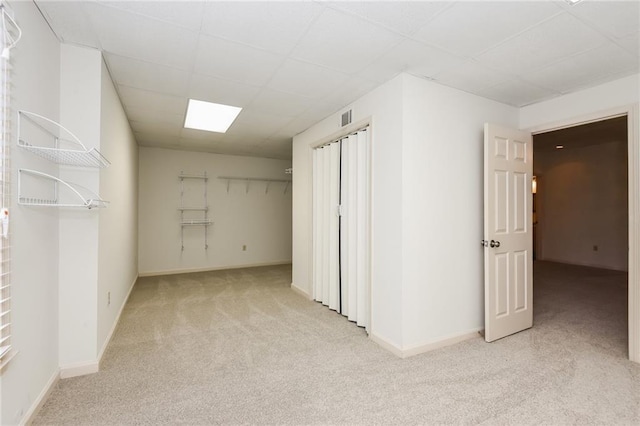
x,y
346,118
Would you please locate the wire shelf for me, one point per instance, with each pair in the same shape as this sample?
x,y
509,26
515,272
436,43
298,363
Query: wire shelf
x,y
68,157
69,152
196,222
193,209
248,181
73,195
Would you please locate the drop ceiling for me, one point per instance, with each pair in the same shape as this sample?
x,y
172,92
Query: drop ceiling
x,y
290,64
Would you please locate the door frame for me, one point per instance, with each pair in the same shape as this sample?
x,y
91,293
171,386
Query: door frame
x,y
633,155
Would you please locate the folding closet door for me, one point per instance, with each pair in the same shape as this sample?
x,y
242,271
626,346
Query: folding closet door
x,y
354,229
326,198
341,241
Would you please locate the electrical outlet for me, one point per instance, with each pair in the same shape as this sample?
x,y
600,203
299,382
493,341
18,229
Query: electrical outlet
x,y
595,248
244,247
108,298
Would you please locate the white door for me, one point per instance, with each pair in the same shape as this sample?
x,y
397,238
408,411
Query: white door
x,y
508,244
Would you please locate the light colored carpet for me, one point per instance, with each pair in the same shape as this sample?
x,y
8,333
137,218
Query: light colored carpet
x,y
239,347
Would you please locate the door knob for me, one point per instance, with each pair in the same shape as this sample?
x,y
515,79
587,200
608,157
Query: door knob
x,y
494,243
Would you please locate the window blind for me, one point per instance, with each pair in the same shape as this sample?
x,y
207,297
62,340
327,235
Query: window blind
x,y
9,35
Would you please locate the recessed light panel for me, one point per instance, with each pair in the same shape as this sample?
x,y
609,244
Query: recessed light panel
x,y
559,146
211,117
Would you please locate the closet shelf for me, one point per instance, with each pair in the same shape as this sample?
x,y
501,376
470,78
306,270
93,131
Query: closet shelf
x,y
193,209
69,152
248,180
196,222
195,213
50,194
193,176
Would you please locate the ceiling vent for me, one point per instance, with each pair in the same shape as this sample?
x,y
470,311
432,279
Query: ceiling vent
x,y
346,118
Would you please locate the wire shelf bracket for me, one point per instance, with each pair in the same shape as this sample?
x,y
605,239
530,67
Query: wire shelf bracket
x,y
65,151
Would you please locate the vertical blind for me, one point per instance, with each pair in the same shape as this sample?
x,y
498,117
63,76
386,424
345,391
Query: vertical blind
x,y
341,238
10,35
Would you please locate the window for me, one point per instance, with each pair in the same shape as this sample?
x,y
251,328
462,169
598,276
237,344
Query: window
x,y
9,35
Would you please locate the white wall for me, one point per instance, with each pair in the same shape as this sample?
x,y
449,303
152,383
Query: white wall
x,y
427,273
36,78
118,229
443,278
383,109
582,202
260,221
80,87
98,247
66,260
615,94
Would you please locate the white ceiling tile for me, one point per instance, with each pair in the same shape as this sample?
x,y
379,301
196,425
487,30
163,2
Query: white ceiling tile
x,y
154,139
257,123
517,93
631,44
401,16
132,97
617,18
202,135
306,80
468,28
350,91
301,123
344,43
127,34
156,128
71,22
151,49
412,57
580,70
272,26
557,38
147,76
281,103
212,89
234,61
150,115
470,76
185,14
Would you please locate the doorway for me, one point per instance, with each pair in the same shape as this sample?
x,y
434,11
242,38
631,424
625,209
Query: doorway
x,y
581,229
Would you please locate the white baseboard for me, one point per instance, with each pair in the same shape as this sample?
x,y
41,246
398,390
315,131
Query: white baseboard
x,y
300,291
41,399
426,347
79,369
211,268
386,345
115,323
447,341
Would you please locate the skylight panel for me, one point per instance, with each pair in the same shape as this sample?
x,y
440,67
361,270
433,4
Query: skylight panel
x,y
209,116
